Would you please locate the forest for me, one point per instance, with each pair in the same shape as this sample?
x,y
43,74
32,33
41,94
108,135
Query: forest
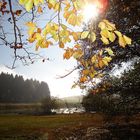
x,y
15,89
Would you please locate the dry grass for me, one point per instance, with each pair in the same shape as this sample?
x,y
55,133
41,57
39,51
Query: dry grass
x,y
21,127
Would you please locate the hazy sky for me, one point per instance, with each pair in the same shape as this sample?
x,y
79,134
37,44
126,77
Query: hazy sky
x,y
47,71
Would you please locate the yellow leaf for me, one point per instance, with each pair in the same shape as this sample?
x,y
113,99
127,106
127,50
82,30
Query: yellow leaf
x,y
53,2
32,27
29,5
79,20
110,52
84,34
110,26
78,4
105,40
105,33
127,40
72,19
38,36
50,5
102,25
106,60
41,1
77,54
55,27
77,46
100,52
22,2
92,75
36,2
57,6
67,7
64,26
31,39
112,37
122,42
66,15
92,36
118,33
94,59
75,36
45,44
30,24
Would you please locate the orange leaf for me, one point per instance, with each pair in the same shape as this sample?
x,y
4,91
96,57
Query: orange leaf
x,y
39,10
61,44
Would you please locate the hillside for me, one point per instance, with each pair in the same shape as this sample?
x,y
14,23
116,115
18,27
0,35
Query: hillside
x,y
73,99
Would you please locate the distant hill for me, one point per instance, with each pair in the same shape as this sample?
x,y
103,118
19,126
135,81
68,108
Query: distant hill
x,y
73,99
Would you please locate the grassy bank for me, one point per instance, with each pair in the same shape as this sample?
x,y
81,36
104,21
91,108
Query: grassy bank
x,y
21,127
35,126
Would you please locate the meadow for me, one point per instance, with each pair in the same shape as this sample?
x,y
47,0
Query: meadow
x,y
53,127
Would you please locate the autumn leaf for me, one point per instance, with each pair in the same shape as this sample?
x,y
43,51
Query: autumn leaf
x,y
77,54
85,72
94,59
75,36
122,42
106,60
112,37
39,10
92,37
102,25
74,85
29,5
72,19
127,40
78,4
105,40
100,63
31,27
110,52
68,53
119,34
110,26
84,34
83,79
61,44
77,46
105,33
18,12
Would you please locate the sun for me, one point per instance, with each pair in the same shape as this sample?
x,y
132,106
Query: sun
x,y
90,11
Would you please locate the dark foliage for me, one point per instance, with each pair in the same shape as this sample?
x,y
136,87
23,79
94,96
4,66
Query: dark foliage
x,y
14,89
122,96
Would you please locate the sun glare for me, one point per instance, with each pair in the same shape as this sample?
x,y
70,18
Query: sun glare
x,y
90,12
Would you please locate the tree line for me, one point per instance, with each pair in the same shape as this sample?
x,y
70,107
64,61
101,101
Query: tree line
x,y
15,89
120,97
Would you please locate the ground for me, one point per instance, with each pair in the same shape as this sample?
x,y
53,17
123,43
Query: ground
x,y
55,127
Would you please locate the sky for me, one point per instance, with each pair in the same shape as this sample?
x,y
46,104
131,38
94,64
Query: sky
x,y
47,71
